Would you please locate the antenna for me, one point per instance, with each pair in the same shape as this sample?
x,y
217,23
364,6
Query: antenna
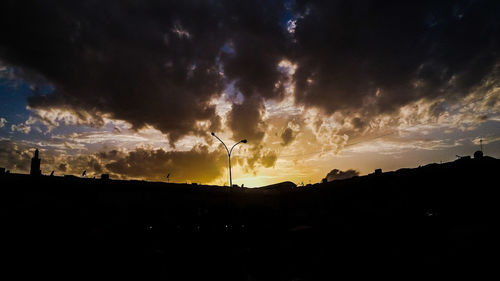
x,y
481,144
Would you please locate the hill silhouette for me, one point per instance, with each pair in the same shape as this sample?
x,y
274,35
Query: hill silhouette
x,y
438,216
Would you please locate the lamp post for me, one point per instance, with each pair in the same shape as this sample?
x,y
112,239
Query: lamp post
x,y
229,155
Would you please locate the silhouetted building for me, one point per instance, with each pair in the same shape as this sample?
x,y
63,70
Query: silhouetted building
x,y
478,154
2,171
105,177
378,171
35,165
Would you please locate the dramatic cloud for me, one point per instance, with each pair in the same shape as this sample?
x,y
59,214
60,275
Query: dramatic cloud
x,y
336,174
372,57
158,63
161,63
54,117
245,121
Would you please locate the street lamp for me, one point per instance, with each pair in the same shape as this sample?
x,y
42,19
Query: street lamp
x,y
229,155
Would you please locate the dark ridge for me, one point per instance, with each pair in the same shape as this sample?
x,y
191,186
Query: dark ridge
x,y
438,216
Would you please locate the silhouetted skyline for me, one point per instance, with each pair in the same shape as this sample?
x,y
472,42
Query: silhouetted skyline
x,y
436,216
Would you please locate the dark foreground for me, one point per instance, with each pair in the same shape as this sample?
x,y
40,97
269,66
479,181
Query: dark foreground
x,y
413,220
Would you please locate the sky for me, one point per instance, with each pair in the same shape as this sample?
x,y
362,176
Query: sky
x,y
318,88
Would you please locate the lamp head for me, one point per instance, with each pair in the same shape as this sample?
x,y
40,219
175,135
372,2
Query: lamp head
x,y
244,141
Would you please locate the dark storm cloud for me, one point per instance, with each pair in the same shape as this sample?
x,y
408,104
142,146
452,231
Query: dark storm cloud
x,y
245,120
373,57
336,174
155,63
260,43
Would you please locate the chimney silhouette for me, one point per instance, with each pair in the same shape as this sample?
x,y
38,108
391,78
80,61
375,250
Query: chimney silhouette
x,y
35,165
